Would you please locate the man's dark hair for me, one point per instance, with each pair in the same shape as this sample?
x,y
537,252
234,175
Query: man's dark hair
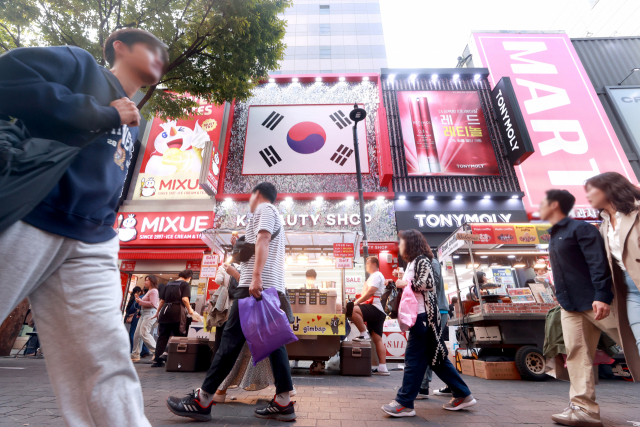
x,y
131,36
186,274
374,260
311,273
267,190
563,197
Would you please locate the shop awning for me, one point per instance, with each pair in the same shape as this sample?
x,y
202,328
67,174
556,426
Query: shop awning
x,y
176,254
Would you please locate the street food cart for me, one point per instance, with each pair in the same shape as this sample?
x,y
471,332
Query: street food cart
x,y
318,307
505,316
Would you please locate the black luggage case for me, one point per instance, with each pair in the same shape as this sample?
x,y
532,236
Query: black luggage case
x,y
188,354
355,358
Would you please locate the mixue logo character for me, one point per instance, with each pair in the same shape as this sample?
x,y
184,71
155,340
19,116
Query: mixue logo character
x,y
215,164
127,228
335,323
148,187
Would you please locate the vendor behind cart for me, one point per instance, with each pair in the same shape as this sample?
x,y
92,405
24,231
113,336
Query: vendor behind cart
x,y
372,312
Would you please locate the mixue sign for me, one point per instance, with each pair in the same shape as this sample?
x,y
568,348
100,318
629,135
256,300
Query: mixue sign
x,y
571,134
162,228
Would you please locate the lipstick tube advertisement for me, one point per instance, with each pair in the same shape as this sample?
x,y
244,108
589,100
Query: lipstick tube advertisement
x,y
429,137
419,135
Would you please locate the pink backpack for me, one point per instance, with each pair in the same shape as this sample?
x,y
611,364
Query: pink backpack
x,y
408,309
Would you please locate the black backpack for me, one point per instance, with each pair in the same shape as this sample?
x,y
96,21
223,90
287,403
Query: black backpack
x,y
391,300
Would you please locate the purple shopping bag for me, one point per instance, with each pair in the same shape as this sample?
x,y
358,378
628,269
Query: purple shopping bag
x,y
264,324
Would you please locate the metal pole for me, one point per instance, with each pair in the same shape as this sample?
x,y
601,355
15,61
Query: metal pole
x,y
455,276
363,221
475,278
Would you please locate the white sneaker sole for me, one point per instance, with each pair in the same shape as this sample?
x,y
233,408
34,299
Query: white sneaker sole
x,y
383,374
461,406
399,414
438,393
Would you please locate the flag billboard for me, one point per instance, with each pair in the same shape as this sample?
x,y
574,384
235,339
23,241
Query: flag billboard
x,y
302,139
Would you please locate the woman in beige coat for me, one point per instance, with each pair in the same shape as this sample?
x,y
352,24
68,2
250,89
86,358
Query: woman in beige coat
x,y
619,201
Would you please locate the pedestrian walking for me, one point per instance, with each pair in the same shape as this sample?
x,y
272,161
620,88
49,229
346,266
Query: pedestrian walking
x,y
263,270
368,308
132,317
618,201
583,289
66,247
443,306
174,304
148,308
425,346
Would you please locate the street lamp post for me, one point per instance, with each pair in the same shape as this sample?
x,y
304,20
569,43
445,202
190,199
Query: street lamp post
x,y
357,115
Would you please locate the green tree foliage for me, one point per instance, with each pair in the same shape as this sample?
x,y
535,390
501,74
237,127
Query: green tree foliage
x,y
218,49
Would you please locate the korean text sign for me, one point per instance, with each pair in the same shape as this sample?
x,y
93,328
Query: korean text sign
x,y
173,155
445,133
569,129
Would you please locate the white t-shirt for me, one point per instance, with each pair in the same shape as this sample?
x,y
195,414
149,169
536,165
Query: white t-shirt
x,y
376,280
266,217
408,277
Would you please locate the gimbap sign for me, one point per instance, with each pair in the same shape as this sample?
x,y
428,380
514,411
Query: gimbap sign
x,y
302,139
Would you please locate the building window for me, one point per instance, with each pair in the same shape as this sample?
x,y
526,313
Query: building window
x,y
325,52
325,29
324,9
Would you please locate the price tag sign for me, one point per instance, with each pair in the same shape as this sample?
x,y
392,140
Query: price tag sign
x,y
323,299
209,265
343,250
344,263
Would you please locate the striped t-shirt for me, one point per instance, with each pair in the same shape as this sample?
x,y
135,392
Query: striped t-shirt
x,y
266,217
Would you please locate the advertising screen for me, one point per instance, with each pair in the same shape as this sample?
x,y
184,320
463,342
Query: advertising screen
x,y
173,155
569,129
445,133
302,139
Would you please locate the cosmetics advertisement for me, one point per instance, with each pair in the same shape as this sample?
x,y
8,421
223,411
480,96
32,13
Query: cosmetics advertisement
x,y
445,133
174,154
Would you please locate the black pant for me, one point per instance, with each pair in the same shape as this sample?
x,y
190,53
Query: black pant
x,y
230,347
165,331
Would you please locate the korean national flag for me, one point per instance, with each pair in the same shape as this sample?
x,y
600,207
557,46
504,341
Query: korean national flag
x,y
302,139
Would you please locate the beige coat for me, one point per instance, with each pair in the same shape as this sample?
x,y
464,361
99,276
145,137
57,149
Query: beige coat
x,y
630,244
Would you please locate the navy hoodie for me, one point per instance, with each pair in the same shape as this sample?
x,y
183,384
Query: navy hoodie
x,y
62,93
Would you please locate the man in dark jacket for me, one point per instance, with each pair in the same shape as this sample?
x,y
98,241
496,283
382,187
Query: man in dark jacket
x,y
583,289
66,246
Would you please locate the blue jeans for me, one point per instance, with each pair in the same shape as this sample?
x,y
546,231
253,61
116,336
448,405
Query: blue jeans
x,y
633,307
428,376
415,366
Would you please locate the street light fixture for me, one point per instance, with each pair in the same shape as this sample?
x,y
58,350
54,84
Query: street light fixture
x,y
358,115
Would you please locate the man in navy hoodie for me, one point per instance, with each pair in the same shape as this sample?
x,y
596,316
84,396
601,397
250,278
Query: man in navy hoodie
x,y
66,249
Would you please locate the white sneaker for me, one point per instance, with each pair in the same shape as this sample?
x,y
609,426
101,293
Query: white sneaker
x,y
397,410
135,358
458,403
363,337
576,417
293,392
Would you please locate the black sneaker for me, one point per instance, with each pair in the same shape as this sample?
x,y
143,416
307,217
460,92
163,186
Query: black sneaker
x,y
444,391
190,406
157,364
423,394
274,411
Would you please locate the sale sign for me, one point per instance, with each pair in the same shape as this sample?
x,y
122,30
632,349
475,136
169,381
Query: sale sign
x,y
445,133
395,343
174,153
571,134
153,228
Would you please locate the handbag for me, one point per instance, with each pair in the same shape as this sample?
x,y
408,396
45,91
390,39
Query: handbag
x,y
243,251
29,169
408,310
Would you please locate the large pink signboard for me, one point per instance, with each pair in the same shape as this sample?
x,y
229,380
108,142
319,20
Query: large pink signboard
x,y
570,131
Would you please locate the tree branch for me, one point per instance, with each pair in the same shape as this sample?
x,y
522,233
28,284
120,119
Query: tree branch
x,y
147,96
16,41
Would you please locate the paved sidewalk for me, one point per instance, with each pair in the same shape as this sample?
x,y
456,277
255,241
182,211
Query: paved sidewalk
x,y
26,398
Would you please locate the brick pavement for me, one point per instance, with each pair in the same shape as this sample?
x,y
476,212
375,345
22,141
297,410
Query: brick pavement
x,y
26,398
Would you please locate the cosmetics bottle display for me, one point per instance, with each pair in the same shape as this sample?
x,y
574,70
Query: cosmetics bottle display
x,y
430,140
420,137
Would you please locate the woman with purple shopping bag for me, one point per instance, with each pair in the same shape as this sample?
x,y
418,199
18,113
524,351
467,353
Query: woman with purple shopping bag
x,y
425,346
262,268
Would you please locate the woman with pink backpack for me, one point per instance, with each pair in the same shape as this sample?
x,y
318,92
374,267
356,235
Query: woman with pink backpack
x,y
425,345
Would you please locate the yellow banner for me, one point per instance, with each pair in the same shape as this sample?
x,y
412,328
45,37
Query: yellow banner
x,y
318,324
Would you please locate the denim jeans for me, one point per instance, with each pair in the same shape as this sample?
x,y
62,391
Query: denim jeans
x,y
415,366
429,374
633,307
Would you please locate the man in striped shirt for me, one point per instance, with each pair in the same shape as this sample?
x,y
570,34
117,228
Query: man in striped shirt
x,y
265,269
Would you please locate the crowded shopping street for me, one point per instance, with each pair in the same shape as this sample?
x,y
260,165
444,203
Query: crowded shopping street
x,y
340,213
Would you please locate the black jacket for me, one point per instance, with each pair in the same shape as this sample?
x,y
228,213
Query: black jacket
x,y
579,262
61,93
